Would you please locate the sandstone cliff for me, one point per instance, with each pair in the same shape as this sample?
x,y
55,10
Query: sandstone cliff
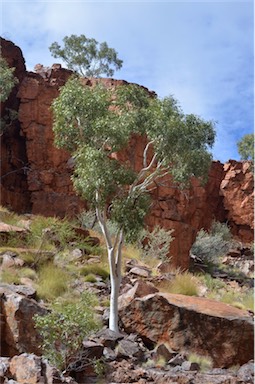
x,y
36,175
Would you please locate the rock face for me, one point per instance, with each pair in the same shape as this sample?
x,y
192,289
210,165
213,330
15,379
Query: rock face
x,y
45,188
17,311
237,189
195,324
14,189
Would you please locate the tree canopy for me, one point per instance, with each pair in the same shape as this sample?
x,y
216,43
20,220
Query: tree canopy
x,y
86,56
94,123
246,147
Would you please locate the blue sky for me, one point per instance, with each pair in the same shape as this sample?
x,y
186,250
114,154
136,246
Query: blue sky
x,y
200,52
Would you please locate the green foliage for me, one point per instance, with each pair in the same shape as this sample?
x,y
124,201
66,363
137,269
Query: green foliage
x,y
8,80
96,122
95,270
52,283
212,283
183,283
246,147
64,329
155,244
87,56
210,246
128,212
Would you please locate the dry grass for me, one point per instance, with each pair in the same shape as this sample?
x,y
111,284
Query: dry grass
x,y
183,283
52,283
94,269
204,362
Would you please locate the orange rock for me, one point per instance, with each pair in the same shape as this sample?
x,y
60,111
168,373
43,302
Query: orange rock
x,y
192,324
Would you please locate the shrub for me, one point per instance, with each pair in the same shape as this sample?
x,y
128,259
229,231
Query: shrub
x,y
95,270
64,329
52,283
155,244
211,246
183,283
212,283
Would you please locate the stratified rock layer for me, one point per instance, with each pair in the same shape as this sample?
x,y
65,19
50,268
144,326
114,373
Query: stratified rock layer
x,y
196,324
37,175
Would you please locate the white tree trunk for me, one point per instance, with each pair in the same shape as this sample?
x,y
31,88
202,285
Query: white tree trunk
x,y
115,289
114,258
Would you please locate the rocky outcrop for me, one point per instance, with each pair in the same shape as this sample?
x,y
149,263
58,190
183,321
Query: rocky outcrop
x,y
185,323
17,310
237,189
46,188
14,190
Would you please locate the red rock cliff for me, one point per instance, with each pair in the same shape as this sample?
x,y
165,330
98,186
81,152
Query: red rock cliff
x,y
227,196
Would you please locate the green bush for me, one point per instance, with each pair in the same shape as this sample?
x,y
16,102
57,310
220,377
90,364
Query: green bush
x,y
64,329
212,283
210,246
52,283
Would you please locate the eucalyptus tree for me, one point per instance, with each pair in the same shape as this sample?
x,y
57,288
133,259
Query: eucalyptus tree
x,y
246,147
94,124
86,56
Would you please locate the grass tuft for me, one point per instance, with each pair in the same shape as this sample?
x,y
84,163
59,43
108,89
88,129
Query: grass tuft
x,y
205,362
53,282
95,270
10,276
90,278
183,283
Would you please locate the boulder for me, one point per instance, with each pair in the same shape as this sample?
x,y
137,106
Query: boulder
x,y
18,310
140,289
30,369
192,324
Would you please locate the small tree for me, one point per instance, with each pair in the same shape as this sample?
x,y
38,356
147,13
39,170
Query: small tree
x,y
246,147
94,124
86,56
8,80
